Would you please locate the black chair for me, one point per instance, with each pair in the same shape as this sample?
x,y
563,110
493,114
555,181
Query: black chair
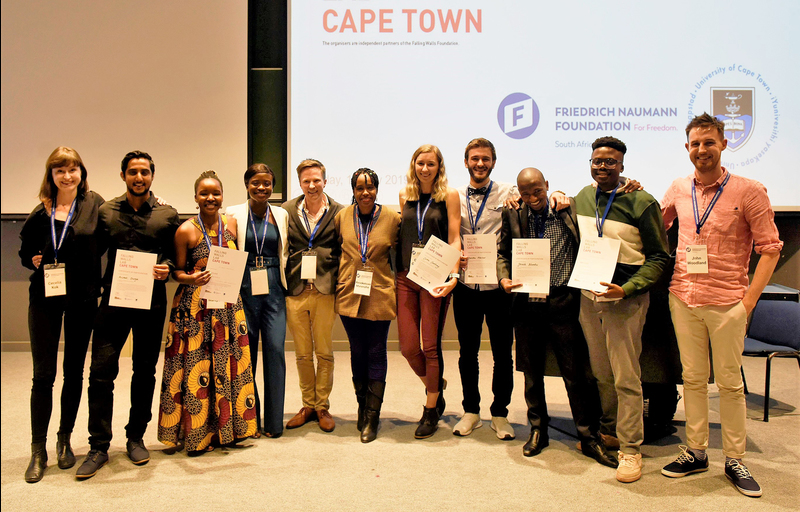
x,y
774,331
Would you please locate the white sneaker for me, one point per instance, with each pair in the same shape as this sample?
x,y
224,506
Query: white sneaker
x,y
469,422
630,467
503,428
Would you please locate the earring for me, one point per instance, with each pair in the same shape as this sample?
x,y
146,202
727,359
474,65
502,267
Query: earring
x,y
197,207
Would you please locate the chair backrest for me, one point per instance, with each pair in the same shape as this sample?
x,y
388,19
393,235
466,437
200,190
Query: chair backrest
x,y
776,322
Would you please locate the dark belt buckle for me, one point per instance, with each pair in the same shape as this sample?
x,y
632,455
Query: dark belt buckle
x,y
259,261
309,286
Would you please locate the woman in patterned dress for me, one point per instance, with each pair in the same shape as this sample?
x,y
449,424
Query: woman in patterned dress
x,y
207,391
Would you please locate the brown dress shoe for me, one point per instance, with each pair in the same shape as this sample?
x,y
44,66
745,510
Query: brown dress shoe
x,y
305,415
326,422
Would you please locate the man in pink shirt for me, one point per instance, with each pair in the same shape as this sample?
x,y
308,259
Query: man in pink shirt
x,y
721,216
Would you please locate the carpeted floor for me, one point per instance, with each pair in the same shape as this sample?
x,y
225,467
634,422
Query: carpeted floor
x,y
307,469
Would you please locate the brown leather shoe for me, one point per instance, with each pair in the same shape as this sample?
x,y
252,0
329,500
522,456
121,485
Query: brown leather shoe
x,y
326,422
305,415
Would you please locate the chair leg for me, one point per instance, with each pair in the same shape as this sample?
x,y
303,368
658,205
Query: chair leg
x,y
744,381
766,387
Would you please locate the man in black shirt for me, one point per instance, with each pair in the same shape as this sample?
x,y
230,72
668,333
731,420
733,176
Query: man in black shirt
x,y
133,222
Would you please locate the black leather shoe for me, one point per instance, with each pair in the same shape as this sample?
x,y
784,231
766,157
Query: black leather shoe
x,y
594,448
66,459
536,443
95,460
38,463
429,423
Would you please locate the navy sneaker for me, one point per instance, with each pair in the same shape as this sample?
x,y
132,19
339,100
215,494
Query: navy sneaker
x,y
741,478
685,464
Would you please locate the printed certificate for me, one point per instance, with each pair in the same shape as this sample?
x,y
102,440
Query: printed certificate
x,y
597,259
132,282
481,251
227,270
530,265
434,264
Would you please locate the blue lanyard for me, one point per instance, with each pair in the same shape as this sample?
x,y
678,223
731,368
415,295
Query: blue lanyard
x,y
474,222
57,246
220,228
363,231
421,218
259,245
539,233
699,222
598,221
313,233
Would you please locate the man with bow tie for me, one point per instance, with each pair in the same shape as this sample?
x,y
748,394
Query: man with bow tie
x,y
481,207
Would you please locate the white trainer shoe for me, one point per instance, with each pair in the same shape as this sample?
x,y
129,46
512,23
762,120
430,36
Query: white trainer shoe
x,y
469,422
630,467
503,428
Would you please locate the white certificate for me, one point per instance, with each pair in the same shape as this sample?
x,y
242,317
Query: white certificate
x,y
530,265
434,264
597,259
132,283
227,270
481,251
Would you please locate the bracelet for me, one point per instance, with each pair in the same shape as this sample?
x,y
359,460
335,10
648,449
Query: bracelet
x,y
453,275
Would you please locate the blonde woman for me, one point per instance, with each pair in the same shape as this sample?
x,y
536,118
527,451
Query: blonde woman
x,y
428,208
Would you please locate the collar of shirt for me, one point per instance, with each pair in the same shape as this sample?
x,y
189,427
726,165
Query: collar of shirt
x,y
312,219
699,184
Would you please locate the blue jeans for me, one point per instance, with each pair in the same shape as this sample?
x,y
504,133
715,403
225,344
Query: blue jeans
x,y
367,347
266,319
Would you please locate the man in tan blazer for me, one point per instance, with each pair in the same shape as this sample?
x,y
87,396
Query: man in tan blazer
x,y
311,273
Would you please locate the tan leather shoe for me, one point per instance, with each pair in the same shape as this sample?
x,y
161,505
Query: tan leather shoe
x,y
326,422
305,415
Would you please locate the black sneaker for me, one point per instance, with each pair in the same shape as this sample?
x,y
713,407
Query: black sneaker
x,y
137,452
741,478
95,460
685,464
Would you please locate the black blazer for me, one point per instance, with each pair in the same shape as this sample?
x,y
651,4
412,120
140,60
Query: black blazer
x,y
515,225
326,244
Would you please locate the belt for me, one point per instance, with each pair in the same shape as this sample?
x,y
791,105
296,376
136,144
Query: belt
x,y
269,261
308,287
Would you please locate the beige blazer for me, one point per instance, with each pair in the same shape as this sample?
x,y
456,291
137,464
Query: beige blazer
x,y
240,213
381,304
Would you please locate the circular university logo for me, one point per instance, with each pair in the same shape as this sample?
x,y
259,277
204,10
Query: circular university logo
x,y
518,115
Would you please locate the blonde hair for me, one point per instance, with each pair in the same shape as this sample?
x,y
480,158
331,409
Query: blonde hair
x,y
439,192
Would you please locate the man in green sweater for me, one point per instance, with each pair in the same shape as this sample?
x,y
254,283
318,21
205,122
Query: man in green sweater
x,y
613,320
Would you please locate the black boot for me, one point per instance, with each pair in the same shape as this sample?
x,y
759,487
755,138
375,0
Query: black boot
x,y
66,459
36,468
429,423
361,393
372,410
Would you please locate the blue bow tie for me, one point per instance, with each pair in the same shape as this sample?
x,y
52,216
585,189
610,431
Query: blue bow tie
x,y
476,191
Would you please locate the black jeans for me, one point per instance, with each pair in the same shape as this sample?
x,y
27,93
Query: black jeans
x,y
111,330
44,324
556,322
469,309
367,347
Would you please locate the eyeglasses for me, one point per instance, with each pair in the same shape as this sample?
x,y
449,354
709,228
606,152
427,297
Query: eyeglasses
x,y
610,162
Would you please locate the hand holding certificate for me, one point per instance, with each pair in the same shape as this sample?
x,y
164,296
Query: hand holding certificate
x,y
132,283
481,251
597,260
432,267
530,266
227,269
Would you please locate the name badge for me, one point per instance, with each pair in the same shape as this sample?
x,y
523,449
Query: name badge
x,y
308,265
259,281
55,280
697,259
215,304
416,250
363,281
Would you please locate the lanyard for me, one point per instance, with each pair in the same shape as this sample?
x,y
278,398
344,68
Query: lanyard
x,y
259,245
540,219
474,222
220,228
421,219
363,231
699,222
598,221
57,246
308,226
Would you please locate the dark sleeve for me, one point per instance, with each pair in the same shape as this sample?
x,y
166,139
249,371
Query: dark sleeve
x,y
33,242
504,247
167,241
655,249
